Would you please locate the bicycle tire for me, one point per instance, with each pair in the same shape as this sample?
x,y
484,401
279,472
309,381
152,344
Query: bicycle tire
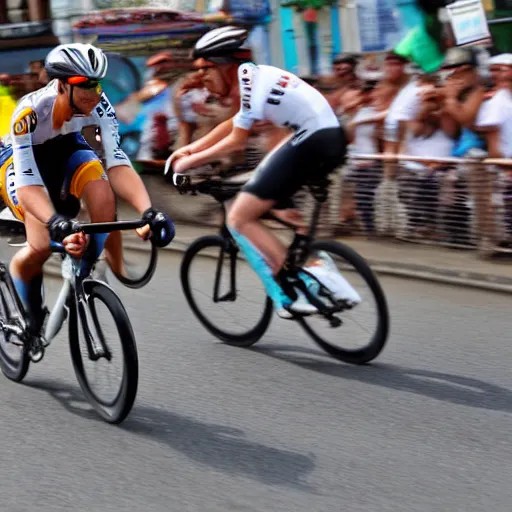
x,y
120,407
380,337
239,340
13,370
136,283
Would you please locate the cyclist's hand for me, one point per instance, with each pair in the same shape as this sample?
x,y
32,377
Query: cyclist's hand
x,y
75,244
180,153
60,227
144,232
182,165
162,227
171,161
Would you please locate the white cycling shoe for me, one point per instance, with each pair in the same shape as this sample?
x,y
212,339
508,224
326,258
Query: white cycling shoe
x,y
301,306
327,273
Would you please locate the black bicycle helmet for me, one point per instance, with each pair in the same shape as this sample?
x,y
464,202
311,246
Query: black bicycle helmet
x,y
224,45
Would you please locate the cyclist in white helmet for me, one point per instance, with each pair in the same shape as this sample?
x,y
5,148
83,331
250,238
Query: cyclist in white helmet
x,y
50,167
316,148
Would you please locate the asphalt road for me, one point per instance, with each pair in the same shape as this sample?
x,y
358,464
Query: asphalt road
x,y
279,427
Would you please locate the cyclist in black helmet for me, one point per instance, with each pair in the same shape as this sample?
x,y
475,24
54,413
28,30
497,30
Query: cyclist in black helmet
x,y
314,149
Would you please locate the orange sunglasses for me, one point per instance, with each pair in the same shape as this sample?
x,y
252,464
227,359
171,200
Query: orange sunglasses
x,y
83,82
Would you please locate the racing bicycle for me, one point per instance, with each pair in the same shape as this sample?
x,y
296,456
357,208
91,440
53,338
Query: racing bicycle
x,y
80,301
332,328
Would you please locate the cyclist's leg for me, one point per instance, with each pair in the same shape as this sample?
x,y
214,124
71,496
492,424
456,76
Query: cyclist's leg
x,y
114,253
26,267
89,182
278,177
243,217
272,182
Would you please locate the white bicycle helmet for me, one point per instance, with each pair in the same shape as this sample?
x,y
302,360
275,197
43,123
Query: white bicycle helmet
x,y
224,45
76,59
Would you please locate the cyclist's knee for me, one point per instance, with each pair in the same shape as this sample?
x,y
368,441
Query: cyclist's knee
x,y
30,256
100,201
38,254
236,221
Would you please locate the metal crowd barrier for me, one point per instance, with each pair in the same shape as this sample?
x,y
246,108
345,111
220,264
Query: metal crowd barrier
x,y
457,202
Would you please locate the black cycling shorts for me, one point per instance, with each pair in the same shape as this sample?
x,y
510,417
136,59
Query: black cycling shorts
x,y
290,165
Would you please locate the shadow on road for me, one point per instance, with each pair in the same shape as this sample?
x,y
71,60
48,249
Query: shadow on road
x,y
219,447
455,389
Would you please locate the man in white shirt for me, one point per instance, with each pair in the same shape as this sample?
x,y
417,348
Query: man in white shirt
x,y
494,118
404,107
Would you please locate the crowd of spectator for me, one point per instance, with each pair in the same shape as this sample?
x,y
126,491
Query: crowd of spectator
x,y
463,110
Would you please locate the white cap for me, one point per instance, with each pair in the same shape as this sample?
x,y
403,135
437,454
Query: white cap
x,y
504,59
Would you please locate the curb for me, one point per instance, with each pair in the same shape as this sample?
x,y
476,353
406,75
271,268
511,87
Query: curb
x,y
488,282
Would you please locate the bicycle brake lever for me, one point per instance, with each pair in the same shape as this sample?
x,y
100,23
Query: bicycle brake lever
x,y
168,166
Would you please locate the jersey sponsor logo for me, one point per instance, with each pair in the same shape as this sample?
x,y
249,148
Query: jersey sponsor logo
x,y
245,75
299,137
25,122
104,107
278,91
119,154
11,190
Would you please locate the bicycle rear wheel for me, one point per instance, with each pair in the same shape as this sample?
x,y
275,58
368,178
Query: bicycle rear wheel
x,y
116,405
336,341
14,357
211,270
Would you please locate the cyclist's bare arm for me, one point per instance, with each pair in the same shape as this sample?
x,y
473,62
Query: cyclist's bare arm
x,y
235,141
220,132
123,178
129,187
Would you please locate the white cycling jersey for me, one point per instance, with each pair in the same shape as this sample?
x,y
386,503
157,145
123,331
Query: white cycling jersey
x,y
271,94
32,124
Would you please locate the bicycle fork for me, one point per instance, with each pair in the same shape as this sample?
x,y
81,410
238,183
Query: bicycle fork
x,y
230,295
96,347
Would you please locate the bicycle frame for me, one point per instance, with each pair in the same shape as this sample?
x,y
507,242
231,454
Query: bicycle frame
x,y
73,293
297,253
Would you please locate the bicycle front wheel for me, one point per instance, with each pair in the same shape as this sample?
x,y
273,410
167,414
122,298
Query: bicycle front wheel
x,y
224,293
364,327
101,321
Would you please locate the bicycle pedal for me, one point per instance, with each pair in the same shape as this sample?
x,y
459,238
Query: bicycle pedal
x,y
36,355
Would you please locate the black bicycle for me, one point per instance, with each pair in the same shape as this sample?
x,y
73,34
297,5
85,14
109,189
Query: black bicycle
x,y
334,311
80,301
